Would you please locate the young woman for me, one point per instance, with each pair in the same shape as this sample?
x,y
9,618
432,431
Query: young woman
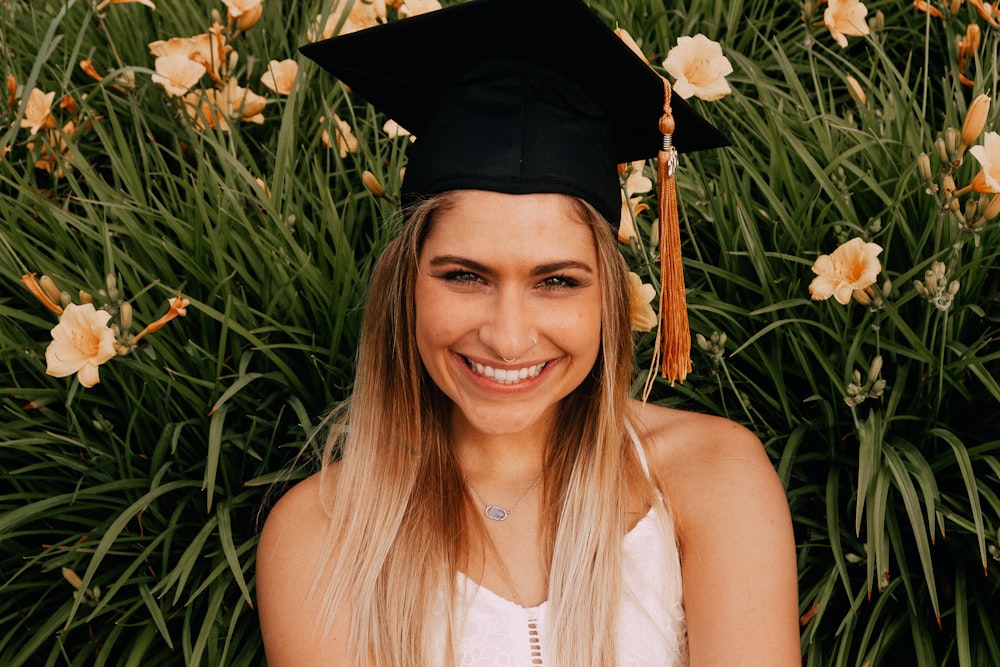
x,y
499,499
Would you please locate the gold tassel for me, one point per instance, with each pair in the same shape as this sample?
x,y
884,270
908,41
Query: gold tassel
x,y
672,349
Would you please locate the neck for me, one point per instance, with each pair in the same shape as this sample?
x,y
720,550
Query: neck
x,y
502,457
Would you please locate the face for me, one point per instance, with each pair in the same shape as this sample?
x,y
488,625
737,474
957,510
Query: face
x,y
508,308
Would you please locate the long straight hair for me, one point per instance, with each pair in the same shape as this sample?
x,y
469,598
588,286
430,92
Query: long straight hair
x,y
397,529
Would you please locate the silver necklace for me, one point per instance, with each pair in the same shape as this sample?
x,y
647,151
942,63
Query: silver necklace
x,y
496,512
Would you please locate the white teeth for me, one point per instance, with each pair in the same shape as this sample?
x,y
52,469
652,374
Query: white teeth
x,y
504,376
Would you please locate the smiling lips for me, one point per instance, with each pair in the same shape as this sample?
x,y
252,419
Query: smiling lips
x,y
504,376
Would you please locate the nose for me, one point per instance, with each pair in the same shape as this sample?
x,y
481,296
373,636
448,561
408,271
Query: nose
x,y
508,330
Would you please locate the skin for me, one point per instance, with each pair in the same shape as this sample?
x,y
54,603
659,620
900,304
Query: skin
x,y
514,276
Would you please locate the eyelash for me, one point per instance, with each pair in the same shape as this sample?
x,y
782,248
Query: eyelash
x,y
556,282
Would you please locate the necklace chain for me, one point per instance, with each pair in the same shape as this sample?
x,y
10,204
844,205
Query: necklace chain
x,y
496,512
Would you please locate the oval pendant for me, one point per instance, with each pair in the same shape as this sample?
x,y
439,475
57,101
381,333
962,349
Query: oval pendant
x,y
496,512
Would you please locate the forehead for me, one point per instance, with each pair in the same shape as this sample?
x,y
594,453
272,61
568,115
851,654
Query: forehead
x,y
511,229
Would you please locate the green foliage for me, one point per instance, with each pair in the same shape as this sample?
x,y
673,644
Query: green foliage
x,y
129,510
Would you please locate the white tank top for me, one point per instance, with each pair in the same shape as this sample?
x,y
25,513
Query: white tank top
x,y
651,628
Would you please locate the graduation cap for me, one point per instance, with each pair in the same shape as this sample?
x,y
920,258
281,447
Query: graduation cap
x,y
524,96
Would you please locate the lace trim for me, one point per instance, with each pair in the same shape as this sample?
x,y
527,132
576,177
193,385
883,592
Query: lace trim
x,y
534,641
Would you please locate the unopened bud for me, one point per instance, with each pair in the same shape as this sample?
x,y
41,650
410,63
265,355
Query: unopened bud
x,y
992,209
372,184
112,284
948,184
952,143
49,287
877,22
975,119
875,368
953,287
971,208
72,577
924,166
955,207
955,6
886,288
125,315
855,90
85,297
862,297
942,150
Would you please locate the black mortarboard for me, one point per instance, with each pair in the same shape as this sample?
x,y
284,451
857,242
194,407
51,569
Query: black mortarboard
x,y
523,96
515,96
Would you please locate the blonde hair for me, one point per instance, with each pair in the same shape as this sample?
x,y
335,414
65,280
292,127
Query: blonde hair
x,y
396,509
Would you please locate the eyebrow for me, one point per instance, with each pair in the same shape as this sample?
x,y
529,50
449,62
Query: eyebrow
x,y
548,267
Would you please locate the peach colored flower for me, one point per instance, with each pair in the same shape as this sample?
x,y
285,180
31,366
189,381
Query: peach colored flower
x,y
394,129
280,76
640,295
987,11
362,15
81,342
246,13
988,155
177,74
346,142
105,3
38,111
699,68
201,110
207,49
239,103
415,7
845,17
852,267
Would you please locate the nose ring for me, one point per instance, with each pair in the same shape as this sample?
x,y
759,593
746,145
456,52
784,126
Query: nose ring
x,y
534,342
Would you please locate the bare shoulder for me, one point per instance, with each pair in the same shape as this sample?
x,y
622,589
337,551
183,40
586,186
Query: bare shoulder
x,y
290,554
735,535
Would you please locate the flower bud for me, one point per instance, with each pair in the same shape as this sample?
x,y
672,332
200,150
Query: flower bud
x,y
877,22
955,207
952,143
49,287
924,167
875,368
855,90
85,297
942,150
112,284
992,209
72,577
948,184
372,184
125,315
975,119
971,208
956,5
